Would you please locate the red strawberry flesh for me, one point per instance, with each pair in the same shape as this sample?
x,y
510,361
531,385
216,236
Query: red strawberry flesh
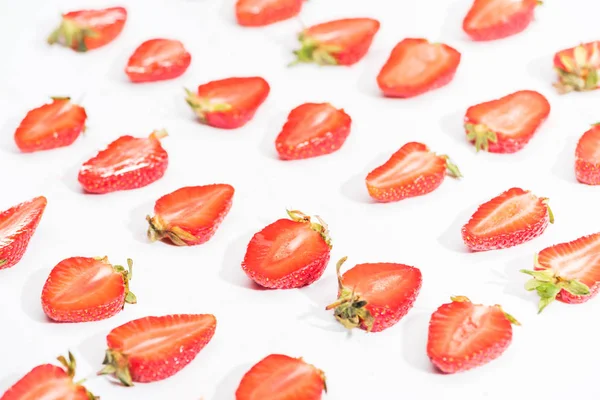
x,y
497,19
47,382
587,157
158,59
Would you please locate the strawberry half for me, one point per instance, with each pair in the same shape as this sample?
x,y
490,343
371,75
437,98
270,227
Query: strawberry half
x,y
375,297
416,66
127,163
49,382
587,157
497,19
507,124
158,60
89,29
568,272
512,218
312,130
52,125
228,103
190,215
266,12
151,349
279,377
82,289
289,253
412,171
463,335
578,68
339,42
17,225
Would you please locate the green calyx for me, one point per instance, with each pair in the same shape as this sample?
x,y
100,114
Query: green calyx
x,y
320,226
70,366
71,35
126,273
550,213
2,262
481,135
464,299
158,229
116,364
580,72
452,168
349,309
60,98
312,51
203,106
548,285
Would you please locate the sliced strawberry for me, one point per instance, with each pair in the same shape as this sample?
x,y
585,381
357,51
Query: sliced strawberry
x,y
507,124
568,272
416,66
375,297
52,125
228,103
49,382
266,12
190,215
312,130
578,68
289,253
512,218
17,225
497,19
154,348
587,157
127,163
82,289
279,377
89,29
339,42
463,335
158,60
411,171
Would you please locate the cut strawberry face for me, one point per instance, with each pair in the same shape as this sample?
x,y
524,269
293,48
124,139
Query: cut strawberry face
x,y
578,68
507,124
50,126
416,66
158,60
279,377
49,382
127,163
89,29
339,42
154,348
568,272
463,335
190,215
228,103
375,297
514,217
313,130
587,157
265,12
497,19
289,253
82,289
411,171
17,225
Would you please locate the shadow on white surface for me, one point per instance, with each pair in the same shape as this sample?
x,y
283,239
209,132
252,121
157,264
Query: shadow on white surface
x,y
227,12
31,302
415,328
267,143
8,380
321,293
452,30
231,270
451,239
564,167
355,188
70,178
514,281
227,386
371,65
137,224
453,125
7,135
540,69
92,350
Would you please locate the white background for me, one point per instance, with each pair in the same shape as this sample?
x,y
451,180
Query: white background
x,y
553,355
